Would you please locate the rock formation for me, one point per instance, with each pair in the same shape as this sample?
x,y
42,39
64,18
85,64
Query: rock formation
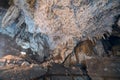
x,y
52,28
41,39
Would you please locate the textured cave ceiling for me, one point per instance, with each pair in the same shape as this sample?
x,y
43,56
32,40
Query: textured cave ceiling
x,y
47,26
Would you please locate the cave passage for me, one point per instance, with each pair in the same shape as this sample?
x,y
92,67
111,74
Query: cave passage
x,y
4,4
59,40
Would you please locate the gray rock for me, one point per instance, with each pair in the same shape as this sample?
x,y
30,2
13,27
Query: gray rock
x,y
50,28
118,23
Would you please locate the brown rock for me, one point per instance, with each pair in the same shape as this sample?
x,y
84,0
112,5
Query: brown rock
x,y
8,46
21,73
104,67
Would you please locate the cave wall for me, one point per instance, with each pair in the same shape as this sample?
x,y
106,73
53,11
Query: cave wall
x,y
8,46
52,27
4,3
66,32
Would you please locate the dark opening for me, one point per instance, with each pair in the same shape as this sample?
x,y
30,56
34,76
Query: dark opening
x,y
112,44
4,4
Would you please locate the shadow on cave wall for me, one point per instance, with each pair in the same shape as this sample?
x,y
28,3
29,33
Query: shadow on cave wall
x,y
112,43
8,46
4,3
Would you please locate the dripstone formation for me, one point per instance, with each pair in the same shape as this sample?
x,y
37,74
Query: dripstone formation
x,y
56,29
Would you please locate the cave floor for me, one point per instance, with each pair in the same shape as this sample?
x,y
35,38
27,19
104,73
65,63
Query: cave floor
x,y
107,68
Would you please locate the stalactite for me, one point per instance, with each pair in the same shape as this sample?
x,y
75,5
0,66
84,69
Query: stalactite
x,y
59,22
10,16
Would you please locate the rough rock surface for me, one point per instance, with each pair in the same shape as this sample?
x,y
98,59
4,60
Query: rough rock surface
x,y
11,60
21,73
8,46
59,31
18,68
104,68
57,26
